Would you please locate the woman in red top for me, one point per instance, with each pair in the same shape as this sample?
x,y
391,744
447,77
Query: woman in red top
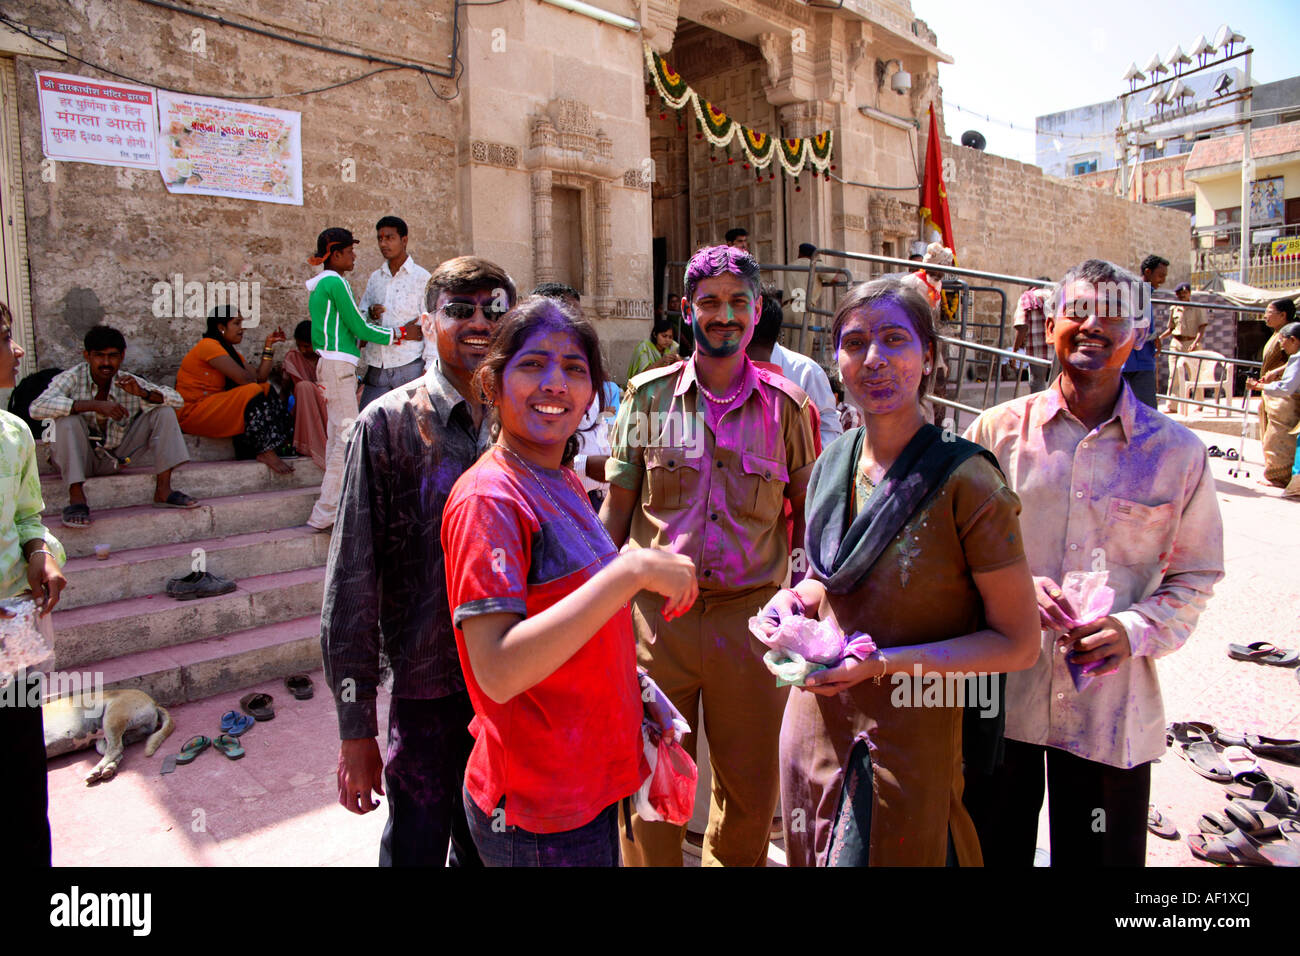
x,y
539,596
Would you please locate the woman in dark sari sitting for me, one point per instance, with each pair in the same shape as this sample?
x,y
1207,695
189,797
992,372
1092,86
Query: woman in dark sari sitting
x,y
224,398
914,539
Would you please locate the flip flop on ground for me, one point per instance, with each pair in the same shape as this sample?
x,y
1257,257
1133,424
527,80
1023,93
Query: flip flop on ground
x,y
177,499
258,706
229,746
1262,652
235,724
76,516
1160,825
193,747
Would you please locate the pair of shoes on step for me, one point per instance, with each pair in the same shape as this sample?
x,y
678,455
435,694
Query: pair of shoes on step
x,y
198,584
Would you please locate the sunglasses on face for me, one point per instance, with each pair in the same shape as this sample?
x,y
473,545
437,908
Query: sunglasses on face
x,y
465,310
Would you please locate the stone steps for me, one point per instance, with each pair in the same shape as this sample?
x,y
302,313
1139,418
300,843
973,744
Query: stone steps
x,y
217,665
96,633
140,572
140,526
200,479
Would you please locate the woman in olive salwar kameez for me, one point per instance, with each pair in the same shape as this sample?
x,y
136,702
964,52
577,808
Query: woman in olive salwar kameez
x,y
913,538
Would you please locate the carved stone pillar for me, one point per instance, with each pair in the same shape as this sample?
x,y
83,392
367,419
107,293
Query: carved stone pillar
x,y
604,249
543,249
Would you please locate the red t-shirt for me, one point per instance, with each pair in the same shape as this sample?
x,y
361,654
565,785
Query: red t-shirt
x,y
518,539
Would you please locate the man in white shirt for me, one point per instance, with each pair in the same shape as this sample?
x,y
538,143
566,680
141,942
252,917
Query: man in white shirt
x,y
1106,484
795,366
394,296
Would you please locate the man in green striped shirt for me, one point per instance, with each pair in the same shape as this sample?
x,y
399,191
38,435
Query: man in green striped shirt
x,y
337,330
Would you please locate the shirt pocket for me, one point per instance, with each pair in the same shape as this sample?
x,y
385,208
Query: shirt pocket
x,y
1138,534
674,477
762,486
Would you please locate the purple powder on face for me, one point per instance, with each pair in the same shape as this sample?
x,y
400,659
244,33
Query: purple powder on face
x,y
712,261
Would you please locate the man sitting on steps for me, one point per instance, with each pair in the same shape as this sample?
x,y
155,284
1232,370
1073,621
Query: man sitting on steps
x,y
104,417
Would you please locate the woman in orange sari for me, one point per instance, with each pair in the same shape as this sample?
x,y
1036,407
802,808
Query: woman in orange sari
x,y
225,399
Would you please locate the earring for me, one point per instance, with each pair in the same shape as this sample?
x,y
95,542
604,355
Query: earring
x,y
927,370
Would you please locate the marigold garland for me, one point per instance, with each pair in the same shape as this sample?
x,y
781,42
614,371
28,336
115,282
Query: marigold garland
x,y
720,129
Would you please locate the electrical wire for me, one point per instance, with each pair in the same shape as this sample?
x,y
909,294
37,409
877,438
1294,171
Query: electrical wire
x,y
242,97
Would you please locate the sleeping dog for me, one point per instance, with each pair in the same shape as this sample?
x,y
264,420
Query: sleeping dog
x,y
111,719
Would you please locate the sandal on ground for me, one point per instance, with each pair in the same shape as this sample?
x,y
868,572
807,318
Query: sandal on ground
x,y
1201,756
1231,455
258,706
177,499
76,516
235,723
1262,825
1269,797
1185,731
193,747
1283,750
1160,825
1262,652
1241,849
300,686
229,746
1250,779
1215,451
1240,760
1215,824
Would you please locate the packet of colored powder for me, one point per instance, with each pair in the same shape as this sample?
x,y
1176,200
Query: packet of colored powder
x,y
1091,599
801,646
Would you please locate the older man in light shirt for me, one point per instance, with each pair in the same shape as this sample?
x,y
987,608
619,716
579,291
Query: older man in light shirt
x,y
394,296
1106,484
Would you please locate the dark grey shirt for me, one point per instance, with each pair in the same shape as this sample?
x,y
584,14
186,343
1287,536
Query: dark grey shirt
x,y
385,587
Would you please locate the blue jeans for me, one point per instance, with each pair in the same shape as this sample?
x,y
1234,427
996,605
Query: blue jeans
x,y
594,844
428,746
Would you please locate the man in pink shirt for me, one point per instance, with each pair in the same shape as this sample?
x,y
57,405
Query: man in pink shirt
x,y
705,453
1106,484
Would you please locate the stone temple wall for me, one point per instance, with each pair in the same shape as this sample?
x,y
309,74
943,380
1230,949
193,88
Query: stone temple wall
x,y
1012,219
100,237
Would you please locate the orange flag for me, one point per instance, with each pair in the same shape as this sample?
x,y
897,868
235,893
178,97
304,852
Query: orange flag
x,y
934,193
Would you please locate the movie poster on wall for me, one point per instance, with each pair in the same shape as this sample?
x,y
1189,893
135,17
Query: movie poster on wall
x,y
218,148
85,120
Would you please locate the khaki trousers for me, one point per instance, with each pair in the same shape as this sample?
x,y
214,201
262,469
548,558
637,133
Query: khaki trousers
x,y
707,656
339,381
155,434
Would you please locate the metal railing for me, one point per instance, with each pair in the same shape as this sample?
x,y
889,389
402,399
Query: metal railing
x,y
988,357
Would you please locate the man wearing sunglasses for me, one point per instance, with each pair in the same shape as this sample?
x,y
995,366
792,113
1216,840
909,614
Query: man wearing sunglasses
x,y
385,589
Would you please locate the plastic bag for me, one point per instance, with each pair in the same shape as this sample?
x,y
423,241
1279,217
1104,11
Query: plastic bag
x,y
801,646
1092,600
668,793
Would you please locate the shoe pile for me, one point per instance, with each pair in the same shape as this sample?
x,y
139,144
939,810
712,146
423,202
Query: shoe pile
x,y
1261,824
256,707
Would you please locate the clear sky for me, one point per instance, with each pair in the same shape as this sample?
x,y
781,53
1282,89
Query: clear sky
x,y
1016,61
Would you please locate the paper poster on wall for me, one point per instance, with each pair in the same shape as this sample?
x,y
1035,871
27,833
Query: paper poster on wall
x,y
219,148
1266,202
85,120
